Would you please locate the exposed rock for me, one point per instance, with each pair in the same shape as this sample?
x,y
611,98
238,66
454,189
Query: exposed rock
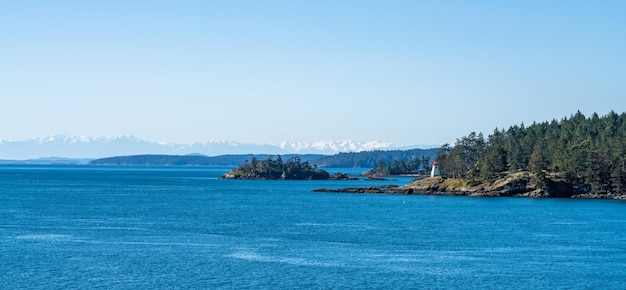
x,y
537,193
342,176
600,195
391,189
518,184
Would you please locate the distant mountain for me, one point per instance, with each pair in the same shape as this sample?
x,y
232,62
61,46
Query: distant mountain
x,y
77,147
49,160
99,147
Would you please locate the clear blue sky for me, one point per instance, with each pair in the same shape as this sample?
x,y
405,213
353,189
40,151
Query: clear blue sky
x,y
409,72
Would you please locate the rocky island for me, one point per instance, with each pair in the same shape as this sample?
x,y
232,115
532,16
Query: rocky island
x,y
292,169
276,169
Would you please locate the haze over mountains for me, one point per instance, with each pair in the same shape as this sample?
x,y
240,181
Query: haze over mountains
x,y
98,147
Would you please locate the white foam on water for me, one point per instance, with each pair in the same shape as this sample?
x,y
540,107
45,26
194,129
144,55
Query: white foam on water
x,y
47,237
338,225
250,255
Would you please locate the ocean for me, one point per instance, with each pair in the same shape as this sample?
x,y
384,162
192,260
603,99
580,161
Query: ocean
x,y
64,226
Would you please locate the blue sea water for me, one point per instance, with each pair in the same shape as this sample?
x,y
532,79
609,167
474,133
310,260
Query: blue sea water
x,y
182,227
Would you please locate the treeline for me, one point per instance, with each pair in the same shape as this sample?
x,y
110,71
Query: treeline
x,y
586,154
272,169
417,165
371,159
365,159
191,160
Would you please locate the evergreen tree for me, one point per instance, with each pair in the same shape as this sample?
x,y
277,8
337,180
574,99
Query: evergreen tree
x,y
584,152
494,160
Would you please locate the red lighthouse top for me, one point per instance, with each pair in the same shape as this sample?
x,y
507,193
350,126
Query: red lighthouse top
x,y
435,162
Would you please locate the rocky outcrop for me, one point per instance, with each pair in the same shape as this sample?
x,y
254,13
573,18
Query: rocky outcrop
x,y
513,185
601,195
342,176
390,189
519,184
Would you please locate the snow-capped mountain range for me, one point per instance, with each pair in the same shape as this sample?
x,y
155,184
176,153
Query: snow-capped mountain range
x,y
98,147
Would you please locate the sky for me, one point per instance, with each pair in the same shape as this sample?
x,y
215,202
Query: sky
x,y
407,72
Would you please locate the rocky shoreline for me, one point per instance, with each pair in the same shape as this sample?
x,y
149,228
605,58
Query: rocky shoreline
x,y
390,189
512,187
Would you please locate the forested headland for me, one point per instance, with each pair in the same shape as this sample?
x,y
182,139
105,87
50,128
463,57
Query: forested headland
x,y
577,156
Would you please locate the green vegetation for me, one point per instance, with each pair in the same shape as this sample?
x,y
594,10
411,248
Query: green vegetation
x,y
575,155
293,168
371,159
366,159
191,160
415,166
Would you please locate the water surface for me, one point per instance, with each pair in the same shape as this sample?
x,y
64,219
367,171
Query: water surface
x,y
182,227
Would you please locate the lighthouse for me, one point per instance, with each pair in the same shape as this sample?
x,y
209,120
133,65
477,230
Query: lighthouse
x,y
435,171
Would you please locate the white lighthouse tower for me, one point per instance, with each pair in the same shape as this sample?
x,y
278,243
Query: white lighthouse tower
x,y
435,171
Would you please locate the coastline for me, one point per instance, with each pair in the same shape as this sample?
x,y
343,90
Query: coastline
x,y
517,185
